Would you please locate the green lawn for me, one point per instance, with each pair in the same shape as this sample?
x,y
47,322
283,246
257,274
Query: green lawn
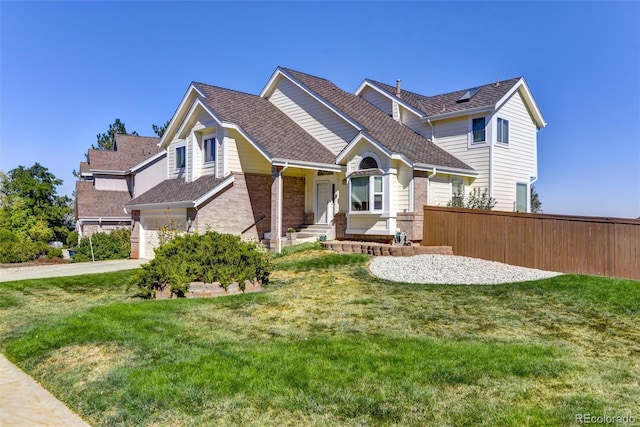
x,y
327,344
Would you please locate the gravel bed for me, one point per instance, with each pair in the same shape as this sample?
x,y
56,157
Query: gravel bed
x,y
451,269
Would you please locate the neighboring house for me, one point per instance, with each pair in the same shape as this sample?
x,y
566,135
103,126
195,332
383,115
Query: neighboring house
x,y
306,153
110,179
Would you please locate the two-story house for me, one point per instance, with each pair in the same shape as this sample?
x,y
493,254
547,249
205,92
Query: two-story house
x,y
304,152
111,178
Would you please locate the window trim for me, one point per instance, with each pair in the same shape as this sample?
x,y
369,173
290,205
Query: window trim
x,y
182,148
371,193
500,122
526,197
470,141
214,149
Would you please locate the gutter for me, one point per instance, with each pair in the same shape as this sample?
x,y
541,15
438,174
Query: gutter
x,y
307,165
458,113
456,171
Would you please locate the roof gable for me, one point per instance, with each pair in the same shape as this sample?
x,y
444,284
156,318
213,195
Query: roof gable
x,y
130,150
488,96
394,136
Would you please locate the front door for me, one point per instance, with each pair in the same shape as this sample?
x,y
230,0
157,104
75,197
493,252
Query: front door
x,y
324,203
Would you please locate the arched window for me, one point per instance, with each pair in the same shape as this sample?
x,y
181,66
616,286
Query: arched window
x,y
368,163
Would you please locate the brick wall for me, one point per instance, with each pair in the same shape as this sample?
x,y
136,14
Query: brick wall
x,y
293,189
248,199
228,212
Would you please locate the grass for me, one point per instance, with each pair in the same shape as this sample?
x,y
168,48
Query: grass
x,y
327,344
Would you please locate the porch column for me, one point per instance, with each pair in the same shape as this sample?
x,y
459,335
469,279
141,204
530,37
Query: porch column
x,y
276,208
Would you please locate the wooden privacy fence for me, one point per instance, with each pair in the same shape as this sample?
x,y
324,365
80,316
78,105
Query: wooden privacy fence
x,y
569,244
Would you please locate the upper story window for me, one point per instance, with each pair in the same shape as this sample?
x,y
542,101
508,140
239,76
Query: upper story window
x,y
368,163
367,187
181,157
479,130
503,131
209,150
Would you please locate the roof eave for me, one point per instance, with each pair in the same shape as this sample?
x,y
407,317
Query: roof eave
x,y
427,167
529,101
215,190
148,161
459,113
167,137
162,205
307,165
372,85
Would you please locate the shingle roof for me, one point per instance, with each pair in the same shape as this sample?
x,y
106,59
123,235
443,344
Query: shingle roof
x,y
487,95
99,203
393,135
267,126
177,190
130,151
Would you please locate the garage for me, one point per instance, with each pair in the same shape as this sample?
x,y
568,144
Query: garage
x,y
155,223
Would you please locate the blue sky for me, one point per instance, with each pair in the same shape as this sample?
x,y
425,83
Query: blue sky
x,y
68,69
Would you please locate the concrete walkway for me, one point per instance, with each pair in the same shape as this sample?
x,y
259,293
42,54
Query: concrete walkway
x,y
71,269
24,402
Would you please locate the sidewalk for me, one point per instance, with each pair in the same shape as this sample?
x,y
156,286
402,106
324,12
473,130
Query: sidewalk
x,y
24,403
71,269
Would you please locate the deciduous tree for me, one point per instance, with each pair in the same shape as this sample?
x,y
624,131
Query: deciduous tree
x,y
30,207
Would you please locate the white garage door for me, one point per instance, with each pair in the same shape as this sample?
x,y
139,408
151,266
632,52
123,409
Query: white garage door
x,y
151,224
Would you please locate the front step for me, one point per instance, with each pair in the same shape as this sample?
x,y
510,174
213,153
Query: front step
x,y
315,231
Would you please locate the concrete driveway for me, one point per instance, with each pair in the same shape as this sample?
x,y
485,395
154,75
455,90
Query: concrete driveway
x,y
72,269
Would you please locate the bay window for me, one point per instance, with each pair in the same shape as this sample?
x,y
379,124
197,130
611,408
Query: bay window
x,y
367,187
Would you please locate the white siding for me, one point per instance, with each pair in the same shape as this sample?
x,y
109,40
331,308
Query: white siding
x,y
411,120
150,176
440,190
243,157
452,136
320,122
377,99
517,161
110,183
172,172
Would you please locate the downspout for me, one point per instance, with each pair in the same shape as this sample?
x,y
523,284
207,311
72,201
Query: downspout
x,y
531,182
280,178
433,136
433,173
491,167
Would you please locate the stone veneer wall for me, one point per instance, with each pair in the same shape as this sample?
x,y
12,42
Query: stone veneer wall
x,y
135,235
378,249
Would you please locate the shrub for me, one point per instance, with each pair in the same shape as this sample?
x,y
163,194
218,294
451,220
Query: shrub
x,y
210,257
7,236
15,252
115,245
473,200
72,239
